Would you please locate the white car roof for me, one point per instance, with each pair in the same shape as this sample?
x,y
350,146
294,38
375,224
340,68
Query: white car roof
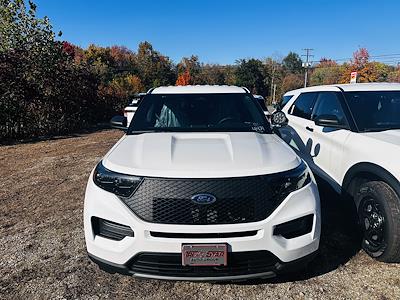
x,y
199,89
349,87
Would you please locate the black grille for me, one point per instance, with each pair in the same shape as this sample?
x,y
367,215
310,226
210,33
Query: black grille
x,y
170,264
168,201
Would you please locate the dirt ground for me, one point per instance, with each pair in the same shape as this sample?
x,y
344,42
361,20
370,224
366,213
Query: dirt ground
x,y
43,256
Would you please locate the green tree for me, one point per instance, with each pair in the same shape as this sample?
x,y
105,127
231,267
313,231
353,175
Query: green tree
x,y
292,63
42,91
250,74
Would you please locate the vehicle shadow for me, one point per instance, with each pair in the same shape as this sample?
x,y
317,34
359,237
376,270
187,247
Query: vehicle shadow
x,y
340,238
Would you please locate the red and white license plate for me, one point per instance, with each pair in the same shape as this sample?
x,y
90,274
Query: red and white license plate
x,y
204,255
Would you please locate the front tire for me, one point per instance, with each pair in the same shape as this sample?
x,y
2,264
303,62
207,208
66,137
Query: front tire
x,y
378,208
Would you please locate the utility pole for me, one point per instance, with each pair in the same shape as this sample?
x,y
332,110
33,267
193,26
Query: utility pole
x,y
307,64
272,82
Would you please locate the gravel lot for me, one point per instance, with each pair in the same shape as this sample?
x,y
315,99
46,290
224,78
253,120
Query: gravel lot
x,y
43,256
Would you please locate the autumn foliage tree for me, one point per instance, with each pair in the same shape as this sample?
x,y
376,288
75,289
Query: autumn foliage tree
x,y
366,71
184,78
49,87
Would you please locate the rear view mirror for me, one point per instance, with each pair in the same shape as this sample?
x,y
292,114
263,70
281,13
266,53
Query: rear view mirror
x,y
279,119
119,122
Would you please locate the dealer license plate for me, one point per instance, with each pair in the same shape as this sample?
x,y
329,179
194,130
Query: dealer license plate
x,y
204,255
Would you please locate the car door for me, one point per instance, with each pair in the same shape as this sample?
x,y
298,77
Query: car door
x,y
328,142
297,132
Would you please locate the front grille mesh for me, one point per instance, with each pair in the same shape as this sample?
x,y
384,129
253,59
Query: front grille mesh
x,y
168,201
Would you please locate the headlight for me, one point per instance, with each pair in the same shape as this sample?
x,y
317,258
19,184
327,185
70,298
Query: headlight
x,y
284,183
117,183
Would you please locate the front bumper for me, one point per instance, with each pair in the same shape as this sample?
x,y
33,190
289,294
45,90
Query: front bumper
x,y
272,271
116,256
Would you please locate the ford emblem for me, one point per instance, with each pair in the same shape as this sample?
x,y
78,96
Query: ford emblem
x,y
203,198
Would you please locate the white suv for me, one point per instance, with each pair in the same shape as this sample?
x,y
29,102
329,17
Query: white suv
x,y
199,188
350,136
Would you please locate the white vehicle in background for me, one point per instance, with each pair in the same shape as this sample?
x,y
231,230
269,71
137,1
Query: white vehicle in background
x,y
130,110
261,100
350,136
200,188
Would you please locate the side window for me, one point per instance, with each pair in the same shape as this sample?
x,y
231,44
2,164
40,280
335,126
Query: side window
x,y
328,103
303,105
285,99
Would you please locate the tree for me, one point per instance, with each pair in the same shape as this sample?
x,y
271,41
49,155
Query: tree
x,y
42,91
154,69
326,71
394,75
189,68
250,74
366,71
292,63
213,74
291,82
184,78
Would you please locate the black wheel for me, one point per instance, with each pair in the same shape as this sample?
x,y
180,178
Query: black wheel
x,y
378,208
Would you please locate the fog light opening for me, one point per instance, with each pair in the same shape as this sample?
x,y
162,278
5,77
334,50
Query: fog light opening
x,y
295,228
110,230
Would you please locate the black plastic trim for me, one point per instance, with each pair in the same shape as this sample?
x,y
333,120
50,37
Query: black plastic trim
x,y
278,268
110,230
347,111
174,235
296,227
369,168
157,195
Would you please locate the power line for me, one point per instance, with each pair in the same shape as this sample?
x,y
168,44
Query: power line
x,y
388,56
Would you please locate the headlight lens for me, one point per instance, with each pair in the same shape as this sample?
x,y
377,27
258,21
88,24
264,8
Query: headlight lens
x,y
117,183
286,182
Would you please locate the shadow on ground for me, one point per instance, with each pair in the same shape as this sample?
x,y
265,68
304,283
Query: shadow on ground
x,y
340,238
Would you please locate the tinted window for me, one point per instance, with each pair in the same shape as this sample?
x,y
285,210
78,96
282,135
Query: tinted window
x,y
328,103
261,101
284,101
199,112
304,105
375,110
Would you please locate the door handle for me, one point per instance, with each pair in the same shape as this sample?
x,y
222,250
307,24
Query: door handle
x,y
309,129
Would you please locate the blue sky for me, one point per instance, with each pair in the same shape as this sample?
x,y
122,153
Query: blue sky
x,y
224,31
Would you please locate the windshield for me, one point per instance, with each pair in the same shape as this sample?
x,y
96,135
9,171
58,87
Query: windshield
x,y
375,110
261,101
199,112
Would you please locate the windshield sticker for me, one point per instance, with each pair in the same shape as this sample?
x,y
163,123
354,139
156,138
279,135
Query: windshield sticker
x,y
258,128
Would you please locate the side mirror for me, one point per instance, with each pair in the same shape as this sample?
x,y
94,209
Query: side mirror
x,y
279,119
119,122
328,121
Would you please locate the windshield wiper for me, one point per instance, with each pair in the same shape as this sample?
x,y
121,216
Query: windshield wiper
x,y
146,131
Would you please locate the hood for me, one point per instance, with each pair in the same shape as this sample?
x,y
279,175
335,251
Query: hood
x,y
388,136
200,155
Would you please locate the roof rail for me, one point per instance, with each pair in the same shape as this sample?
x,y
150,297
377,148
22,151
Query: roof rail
x,y
246,89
